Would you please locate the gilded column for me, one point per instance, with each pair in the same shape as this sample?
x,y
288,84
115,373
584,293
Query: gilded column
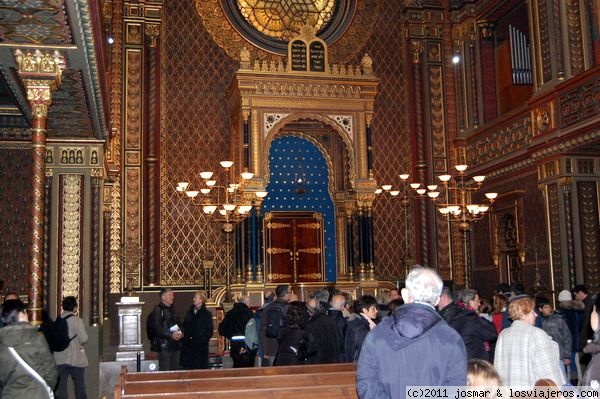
x,y
350,245
95,248
41,73
368,119
152,175
106,252
421,239
362,243
566,183
369,242
48,217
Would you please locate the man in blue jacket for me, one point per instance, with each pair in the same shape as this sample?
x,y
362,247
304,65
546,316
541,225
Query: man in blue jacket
x,y
414,347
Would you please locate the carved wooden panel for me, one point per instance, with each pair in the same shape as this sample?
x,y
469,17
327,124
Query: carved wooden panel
x,y
293,247
590,233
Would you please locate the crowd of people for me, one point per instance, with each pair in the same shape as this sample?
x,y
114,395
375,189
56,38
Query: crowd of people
x,y
459,339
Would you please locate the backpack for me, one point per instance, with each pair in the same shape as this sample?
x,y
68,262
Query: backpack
x,y
251,335
57,334
274,318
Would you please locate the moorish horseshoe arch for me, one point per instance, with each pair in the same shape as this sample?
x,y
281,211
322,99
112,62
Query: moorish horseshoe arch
x,y
267,96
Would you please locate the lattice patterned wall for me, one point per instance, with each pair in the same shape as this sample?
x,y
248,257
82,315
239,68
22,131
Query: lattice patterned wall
x,y
391,140
485,276
15,183
195,137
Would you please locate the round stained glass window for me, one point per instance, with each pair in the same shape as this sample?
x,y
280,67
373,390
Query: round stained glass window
x,y
282,19
270,24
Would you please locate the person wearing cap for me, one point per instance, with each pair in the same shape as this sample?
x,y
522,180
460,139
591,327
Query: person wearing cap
x,y
572,311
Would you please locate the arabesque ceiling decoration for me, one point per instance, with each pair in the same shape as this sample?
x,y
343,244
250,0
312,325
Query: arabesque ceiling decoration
x,y
259,25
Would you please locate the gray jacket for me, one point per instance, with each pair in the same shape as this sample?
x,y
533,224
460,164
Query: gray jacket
x,y
32,347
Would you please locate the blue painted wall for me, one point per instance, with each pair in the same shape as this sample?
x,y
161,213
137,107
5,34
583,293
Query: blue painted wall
x,y
283,164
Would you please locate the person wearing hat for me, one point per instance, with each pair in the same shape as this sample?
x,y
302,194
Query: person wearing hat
x,y
572,310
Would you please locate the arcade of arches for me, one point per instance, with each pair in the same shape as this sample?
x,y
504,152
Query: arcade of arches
x,y
107,104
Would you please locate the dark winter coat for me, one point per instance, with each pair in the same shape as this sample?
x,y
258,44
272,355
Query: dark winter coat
x,y
474,330
556,327
33,348
342,325
357,330
323,339
275,312
161,319
234,322
573,313
291,351
197,330
413,347
593,369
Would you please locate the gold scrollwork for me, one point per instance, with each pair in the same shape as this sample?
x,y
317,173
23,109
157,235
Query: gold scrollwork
x,y
278,276
273,225
271,251
310,250
314,226
316,276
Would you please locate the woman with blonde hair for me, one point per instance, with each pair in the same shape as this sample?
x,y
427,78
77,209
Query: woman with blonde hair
x,y
525,353
198,329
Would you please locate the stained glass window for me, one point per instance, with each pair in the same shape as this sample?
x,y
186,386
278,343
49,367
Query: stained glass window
x,y
282,19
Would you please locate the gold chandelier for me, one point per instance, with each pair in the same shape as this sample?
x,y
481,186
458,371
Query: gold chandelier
x,y
230,199
453,197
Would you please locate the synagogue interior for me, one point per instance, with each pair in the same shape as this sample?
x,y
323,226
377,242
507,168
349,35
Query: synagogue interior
x,y
234,145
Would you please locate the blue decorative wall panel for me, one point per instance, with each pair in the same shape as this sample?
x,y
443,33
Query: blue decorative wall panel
x,y
291,156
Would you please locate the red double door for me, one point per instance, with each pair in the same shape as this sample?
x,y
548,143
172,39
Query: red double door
x,y
293,247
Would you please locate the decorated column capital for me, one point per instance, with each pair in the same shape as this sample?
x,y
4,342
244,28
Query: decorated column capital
x,y
416,49
152,30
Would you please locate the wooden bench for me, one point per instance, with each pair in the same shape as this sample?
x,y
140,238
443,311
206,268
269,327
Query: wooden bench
x,y
331,380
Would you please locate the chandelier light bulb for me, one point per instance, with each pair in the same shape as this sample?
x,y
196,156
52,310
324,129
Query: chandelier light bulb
x,y
223,212
244,209
387,187
415,185
206,175
192,193
180,189
432,187
378,191
394,193
421,191
491,196
226,164
433,194
211,183
461,168
404,176
445,178
229,207
183,185
444,211
473,208
205,191
247,175
483,208
478,179
261,194
209,209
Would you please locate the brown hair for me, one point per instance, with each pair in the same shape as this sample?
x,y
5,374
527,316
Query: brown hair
x,y
481,373
519,308
499,302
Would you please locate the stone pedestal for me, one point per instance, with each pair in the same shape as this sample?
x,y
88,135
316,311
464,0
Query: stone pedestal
x,y
130,329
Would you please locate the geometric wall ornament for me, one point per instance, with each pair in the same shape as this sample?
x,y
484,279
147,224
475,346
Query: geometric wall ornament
x,y
71,231
345,122
270,120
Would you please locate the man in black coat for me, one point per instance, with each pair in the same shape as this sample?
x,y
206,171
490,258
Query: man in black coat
x,y
233,327
323,338
164,332
476,332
